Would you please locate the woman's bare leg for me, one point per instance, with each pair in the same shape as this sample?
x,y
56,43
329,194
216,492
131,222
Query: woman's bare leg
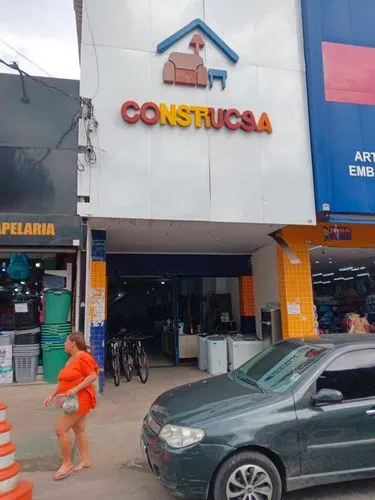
x,y
83,443
63,426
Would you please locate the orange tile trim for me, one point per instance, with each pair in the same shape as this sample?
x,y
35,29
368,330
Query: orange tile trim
x,y
247,300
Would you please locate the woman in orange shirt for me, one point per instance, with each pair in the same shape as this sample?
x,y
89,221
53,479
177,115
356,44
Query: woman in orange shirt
x,y
75,379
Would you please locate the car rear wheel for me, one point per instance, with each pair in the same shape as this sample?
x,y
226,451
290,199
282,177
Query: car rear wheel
x,y
247,476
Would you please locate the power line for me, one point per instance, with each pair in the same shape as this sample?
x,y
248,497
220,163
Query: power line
x,y
25,57
95,51
71,127
15,67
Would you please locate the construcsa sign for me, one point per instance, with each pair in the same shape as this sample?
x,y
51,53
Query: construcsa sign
x,y
184,115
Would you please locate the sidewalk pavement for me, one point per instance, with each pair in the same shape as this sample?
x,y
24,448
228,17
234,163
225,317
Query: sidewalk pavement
x,y
113,428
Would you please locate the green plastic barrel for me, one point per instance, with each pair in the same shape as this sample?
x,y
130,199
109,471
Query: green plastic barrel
x,y
54,359
56,306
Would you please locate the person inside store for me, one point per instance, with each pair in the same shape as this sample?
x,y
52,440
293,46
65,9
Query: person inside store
x,y
356,322
75,395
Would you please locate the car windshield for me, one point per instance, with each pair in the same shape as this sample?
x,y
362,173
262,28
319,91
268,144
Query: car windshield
x,y
281,365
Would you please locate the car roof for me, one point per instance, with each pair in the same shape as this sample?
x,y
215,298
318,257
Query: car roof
x,y
336,340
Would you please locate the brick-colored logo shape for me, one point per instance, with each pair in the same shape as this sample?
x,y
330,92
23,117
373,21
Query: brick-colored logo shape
x,y
187,69
184,68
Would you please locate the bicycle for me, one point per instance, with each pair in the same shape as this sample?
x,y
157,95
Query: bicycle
x,y
134,357
140,360
115,345
127,359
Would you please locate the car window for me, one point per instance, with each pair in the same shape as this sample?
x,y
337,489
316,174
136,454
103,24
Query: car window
x,y
353,374
281,365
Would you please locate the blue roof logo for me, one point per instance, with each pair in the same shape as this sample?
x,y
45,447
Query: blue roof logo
x,y
188,68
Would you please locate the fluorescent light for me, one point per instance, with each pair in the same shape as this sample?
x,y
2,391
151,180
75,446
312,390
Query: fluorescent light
x,y
363,274
317,262
317,274
346,268
362,268
318,282
348,279
355,269
328,274
338,279
326,282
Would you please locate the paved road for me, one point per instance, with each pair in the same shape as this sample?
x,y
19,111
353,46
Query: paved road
x,y
364,490
140,485
114,440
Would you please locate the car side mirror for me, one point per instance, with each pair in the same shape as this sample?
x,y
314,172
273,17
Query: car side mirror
x,y
328,396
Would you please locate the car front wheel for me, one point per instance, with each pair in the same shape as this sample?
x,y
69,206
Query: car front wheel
x,y
247,475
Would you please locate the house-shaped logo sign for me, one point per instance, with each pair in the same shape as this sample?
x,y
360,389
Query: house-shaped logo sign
x,y
189,68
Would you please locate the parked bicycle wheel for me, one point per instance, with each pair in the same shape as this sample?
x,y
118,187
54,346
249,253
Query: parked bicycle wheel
x,y
142,363
127,365
116,369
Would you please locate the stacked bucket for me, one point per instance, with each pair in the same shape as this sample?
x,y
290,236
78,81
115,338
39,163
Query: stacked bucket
x,y
11,487
55,329
26,350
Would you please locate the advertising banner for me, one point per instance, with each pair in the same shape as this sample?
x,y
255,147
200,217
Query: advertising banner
x,y
340,61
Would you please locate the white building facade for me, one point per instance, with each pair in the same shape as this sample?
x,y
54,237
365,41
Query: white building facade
x,y
202,138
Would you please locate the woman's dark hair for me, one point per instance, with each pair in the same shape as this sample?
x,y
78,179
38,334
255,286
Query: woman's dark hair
x,y
79,340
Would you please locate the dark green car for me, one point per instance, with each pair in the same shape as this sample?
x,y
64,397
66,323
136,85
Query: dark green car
x,y
299,414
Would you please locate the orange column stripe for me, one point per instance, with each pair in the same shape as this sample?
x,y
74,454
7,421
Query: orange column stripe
x,y
247,301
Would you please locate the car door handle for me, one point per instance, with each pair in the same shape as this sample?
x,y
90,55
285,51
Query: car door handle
x,y
371,413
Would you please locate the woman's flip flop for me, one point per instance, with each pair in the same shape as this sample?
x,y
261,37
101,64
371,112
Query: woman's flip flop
x,y
63,475
80,468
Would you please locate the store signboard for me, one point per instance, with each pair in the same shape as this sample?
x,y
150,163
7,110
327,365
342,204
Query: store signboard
x,y
182,115
40,230
340,60
188,69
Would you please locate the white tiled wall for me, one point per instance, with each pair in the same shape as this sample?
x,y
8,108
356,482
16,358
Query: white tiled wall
x,y
266,286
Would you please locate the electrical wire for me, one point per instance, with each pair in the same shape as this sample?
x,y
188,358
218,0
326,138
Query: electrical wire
x,y
15,67
95,51
90,124
71,127
25,57
80,166
89,121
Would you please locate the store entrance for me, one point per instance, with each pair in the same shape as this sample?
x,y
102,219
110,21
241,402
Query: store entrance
x,y
344,289
173,312
144,305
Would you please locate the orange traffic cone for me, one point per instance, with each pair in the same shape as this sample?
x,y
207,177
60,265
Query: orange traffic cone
x,y
11,487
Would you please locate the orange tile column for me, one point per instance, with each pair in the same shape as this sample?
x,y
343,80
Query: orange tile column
x,y
296,294
247,304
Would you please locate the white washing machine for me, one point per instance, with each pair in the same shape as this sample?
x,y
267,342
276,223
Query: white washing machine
x,y
217,354
202,352
241,349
